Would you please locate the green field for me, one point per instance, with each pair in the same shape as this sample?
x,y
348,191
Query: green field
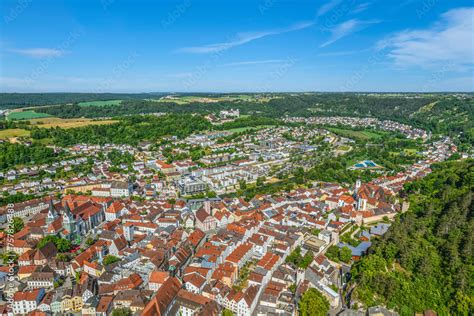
x,y
26,115
13,132
243,129
344,148
361,135
100,103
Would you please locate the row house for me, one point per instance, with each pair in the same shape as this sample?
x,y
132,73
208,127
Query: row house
x,y
25,302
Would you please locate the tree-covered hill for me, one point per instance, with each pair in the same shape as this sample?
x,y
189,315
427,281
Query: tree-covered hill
x,y
129,130
436,112
425,261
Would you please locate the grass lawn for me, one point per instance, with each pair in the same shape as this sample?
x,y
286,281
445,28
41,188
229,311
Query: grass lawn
x,y
67,123
344,148
100,103
242,129
362,135
406,151
26,115
13,132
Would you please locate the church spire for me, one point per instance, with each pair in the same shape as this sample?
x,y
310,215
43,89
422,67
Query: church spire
x,y
52,213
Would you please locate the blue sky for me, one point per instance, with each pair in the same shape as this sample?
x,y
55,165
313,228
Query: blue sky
x,y
233,46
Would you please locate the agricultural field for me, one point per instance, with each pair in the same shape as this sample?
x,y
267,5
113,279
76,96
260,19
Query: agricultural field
x,y
13,133
186,99
189,99
100,103
67,123
26,115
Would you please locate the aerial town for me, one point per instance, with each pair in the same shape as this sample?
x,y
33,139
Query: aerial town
x,y
154,237
236,158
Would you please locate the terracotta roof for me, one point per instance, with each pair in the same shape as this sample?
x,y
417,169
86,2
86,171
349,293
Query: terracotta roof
x,y
195,279
196,298
158,277
201,215
132,282
104,303
27,269
163,298
26,296
115,207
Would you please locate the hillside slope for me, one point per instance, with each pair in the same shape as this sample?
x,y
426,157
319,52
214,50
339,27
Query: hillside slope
x,y
425,261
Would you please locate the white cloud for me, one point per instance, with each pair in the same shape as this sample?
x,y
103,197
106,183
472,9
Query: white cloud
x,y
346,28
242,38
360,8
325,8
254,62
39,52
450,40
344,53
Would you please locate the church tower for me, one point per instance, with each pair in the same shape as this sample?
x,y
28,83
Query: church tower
x,y
52,213
69,223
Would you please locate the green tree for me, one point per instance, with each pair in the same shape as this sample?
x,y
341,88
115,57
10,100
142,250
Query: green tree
x,y
345,254
9,256
313,303
18,224
227,312
90,241
333,253
109,259
63,245
292,288
121,312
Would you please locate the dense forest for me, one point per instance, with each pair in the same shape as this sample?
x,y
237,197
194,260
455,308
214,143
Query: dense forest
x,y
136,128
425,261
19,154
129,130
